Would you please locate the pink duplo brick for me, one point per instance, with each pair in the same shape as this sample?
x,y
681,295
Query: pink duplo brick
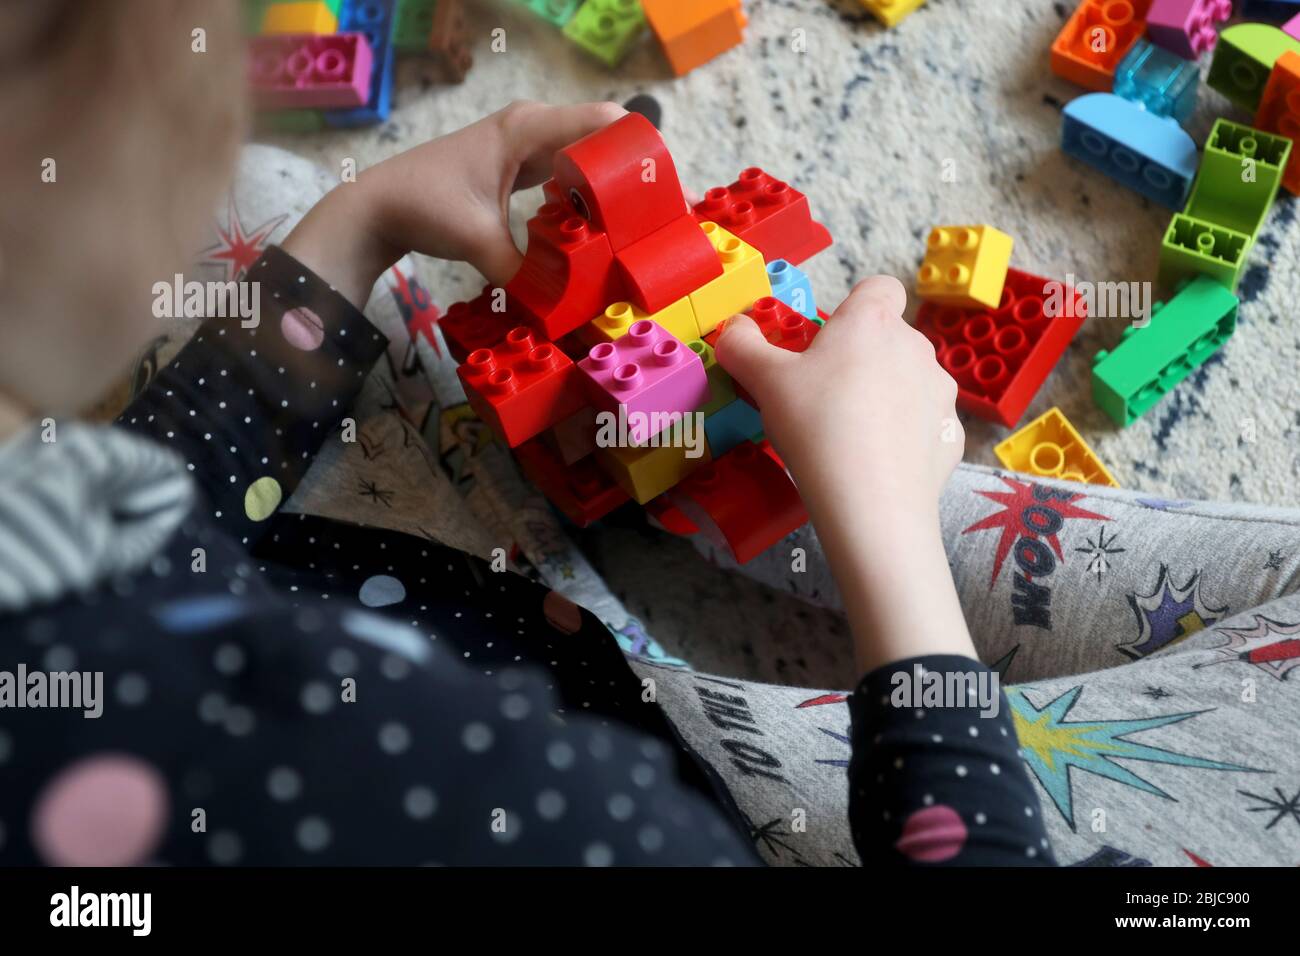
x,y
1187,27
1292,27
647,370
305,71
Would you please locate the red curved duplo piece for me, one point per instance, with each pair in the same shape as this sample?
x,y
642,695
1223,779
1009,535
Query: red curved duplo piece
x,y
568,275
622,180
745,500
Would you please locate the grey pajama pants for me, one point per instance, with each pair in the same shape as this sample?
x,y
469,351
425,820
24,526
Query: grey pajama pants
x,y
1150,651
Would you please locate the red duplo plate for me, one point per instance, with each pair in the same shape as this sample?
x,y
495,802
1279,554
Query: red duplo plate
x,y
1001,357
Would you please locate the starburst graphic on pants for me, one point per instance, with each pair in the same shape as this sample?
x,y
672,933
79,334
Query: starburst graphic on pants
x,y
1169,614
1052,746
1030,512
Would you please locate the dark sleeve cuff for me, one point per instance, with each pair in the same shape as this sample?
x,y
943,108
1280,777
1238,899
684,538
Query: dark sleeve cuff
x,y
936,775
248,402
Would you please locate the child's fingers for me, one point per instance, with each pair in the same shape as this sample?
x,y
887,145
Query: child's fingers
x,y
748,357
493,252
878,296
535,133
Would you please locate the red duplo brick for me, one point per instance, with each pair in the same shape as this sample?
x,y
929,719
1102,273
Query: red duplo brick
x,y
770,215
568,276
744,500
668,265
669,517
581,491
522,386
469,326
1001,357
623,180
780,325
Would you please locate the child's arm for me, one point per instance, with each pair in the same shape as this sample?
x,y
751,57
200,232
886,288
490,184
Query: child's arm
x,y
248,408
448,199
865,421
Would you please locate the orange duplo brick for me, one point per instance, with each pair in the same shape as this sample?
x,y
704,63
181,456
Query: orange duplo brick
x,y
1096,38
1279,111
693,33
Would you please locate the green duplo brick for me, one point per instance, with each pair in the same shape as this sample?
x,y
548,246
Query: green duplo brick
x,y
291,121
412,24
557,12
607,29
1244,58
1241,170
252,11
1192,248
1149,361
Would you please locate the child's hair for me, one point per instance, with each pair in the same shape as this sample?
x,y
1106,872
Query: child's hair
x,y
120,122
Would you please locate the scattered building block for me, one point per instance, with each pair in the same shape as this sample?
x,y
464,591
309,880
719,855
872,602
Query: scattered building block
x,y
1050,447
1149,361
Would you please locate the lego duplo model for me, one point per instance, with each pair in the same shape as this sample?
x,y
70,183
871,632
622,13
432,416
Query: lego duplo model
x,y
595,363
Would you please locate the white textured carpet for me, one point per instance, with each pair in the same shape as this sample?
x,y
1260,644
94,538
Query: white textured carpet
x,y
863,122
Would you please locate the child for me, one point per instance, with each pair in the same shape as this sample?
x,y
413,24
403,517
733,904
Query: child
x,y
251,710
245,694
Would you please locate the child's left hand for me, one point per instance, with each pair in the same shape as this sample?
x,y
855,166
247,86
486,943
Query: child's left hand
x,y
449,198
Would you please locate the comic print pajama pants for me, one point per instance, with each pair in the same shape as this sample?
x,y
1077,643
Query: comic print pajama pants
x,y
1149,649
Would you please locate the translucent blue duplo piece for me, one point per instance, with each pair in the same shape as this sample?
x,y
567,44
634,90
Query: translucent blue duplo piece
x,y
1159,81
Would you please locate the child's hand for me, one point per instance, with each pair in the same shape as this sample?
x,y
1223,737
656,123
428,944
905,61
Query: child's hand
x,y
866,411
864,420
449,198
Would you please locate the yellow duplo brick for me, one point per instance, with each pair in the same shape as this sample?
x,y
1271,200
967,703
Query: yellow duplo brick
x,y
889,12
965,266
1050,447
647,472
742,283
677,319
308,16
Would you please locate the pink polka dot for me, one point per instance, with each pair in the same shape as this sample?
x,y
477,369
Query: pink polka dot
x,y
932,835
303,329
105,810
561,613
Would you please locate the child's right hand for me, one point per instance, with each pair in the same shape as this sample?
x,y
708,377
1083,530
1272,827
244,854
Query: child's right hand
x,y
866,411
865,421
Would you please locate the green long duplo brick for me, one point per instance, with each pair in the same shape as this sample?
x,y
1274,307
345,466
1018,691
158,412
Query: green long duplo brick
x,y
1149,361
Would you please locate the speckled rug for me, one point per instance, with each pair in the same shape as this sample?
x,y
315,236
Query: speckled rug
x,y
866,121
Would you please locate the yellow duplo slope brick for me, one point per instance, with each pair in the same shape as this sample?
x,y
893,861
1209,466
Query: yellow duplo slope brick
x,y
647,472
309,16
742,283
1049,446
889,12
677,319
965,266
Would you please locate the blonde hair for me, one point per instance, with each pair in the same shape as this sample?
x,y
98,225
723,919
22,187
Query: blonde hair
x,y
121,122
